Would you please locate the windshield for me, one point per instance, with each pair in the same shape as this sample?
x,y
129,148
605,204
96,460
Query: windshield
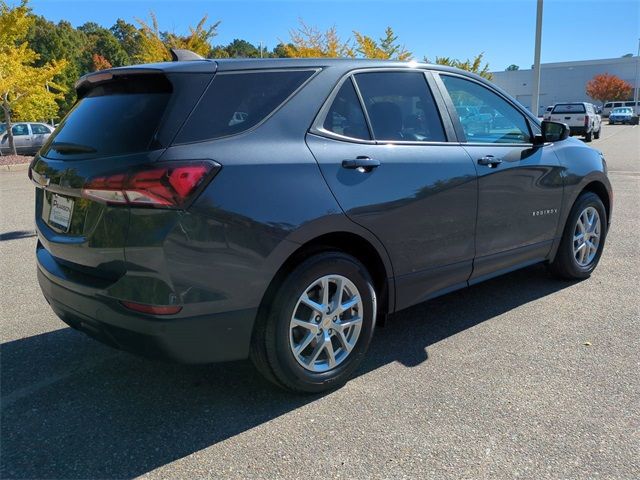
x,y
569,108
621,110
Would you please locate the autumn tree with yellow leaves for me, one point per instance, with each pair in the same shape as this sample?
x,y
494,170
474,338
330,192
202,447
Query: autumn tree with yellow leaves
x,y
26,92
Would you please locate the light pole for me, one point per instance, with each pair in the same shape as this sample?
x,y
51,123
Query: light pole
x,y
535,93
636,109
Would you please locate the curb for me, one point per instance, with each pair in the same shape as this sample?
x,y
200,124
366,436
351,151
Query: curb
x,y
16,167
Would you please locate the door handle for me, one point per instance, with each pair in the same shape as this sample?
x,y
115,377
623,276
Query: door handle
x,y
490,161
364,164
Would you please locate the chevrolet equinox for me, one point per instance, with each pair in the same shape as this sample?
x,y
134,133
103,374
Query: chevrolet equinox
x,y
212,210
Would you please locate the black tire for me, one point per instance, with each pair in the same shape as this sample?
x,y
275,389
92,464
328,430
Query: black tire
x,y
565,264
270,348
588,137
611,123
596,135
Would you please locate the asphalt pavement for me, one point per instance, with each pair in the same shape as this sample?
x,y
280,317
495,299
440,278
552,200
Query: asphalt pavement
x,y
522,376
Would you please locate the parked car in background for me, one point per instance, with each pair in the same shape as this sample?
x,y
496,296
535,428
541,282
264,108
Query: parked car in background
x,y
581,118
621,115
28,137
547,113
278,209
608,106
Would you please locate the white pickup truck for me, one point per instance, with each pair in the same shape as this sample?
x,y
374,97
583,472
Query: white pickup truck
x,y
581,117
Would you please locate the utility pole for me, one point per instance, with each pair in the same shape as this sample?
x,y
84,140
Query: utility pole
x,y
636,109
535,93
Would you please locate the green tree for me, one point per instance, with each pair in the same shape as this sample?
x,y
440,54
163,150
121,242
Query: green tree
x,y
26,91
57,42
474,66
101,41
512,67
128,36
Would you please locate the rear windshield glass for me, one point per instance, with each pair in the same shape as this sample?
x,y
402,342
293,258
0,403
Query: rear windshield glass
x,y
117,118
236,102
569,108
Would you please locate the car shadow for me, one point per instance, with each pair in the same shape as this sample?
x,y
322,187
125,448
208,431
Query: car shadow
x,y
72,408
17,235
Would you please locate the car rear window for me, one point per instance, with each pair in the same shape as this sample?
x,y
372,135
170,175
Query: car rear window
x,y
116,118
235,102
569,108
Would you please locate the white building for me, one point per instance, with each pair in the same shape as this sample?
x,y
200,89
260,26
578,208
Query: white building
x,y
565,81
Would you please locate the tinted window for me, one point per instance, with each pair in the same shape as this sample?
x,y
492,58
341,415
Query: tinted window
x,y
236,102
569,108
485,116
345,116
607,105
117,118
20,129
400,106
617,104
628,104
38,129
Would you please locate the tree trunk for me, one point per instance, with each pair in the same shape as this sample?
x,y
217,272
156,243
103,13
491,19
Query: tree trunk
x,y
7,119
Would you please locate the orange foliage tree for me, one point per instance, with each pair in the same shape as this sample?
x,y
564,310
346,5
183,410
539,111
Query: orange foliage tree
x,y
605,87
100,63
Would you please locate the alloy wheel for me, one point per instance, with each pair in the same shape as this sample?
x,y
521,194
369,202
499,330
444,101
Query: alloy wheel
x,y
586,236
326,323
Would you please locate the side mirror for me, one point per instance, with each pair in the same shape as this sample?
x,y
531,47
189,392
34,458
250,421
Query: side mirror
x,y
552,132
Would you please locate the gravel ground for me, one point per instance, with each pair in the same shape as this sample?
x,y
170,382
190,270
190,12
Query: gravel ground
x,y
522,376
14,159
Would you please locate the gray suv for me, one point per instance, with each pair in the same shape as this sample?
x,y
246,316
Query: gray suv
x,y
277,209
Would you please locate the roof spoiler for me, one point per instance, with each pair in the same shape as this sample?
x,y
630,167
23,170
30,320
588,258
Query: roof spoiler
x,y
182,55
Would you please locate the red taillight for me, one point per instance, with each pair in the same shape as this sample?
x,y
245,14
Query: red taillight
x,y
586,120
159,185
152,309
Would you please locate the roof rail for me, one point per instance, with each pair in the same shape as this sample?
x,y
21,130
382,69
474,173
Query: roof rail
x,y
181,55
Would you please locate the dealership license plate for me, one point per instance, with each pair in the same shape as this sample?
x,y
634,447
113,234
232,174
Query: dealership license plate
x,y
61,211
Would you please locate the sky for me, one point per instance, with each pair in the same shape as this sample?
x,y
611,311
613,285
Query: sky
x,y
503,30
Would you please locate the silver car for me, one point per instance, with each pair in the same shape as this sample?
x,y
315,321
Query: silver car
x,y
27,136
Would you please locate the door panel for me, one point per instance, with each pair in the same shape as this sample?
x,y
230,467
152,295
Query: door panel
x,y
420,202
520,186
519,204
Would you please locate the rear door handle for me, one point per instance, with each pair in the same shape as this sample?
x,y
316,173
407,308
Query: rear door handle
x,y
490,161
364,164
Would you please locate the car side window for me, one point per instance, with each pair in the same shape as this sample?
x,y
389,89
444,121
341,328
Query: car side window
x,y
20,129
484,115
345,116
38,129
400,106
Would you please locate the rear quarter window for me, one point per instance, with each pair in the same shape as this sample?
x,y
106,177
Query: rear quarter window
x,y
235,102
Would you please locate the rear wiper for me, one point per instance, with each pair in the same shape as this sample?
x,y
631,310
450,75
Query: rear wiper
x,y
66,147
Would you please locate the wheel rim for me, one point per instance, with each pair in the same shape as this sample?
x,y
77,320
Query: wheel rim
x,y
586,236
326,323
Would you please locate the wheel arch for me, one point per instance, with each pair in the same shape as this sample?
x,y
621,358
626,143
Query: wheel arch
x,y
599,189
350,243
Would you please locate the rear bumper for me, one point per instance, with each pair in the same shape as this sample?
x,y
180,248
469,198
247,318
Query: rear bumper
x,y
578,130
185,339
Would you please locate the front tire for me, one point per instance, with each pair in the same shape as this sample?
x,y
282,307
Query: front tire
x,y
319,325
582,240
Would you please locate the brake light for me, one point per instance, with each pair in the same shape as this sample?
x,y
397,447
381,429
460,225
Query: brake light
x,y
586,120
152,309
160,185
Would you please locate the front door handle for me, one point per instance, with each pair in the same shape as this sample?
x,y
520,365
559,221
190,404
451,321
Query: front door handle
x,y
363,164
490,161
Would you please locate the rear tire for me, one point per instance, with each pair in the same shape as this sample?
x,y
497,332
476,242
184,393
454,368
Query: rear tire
x,y
571,262
596,135
303,349
588,137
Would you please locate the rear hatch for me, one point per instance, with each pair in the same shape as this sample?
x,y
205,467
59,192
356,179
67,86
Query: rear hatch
x,y
573,114
103,158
